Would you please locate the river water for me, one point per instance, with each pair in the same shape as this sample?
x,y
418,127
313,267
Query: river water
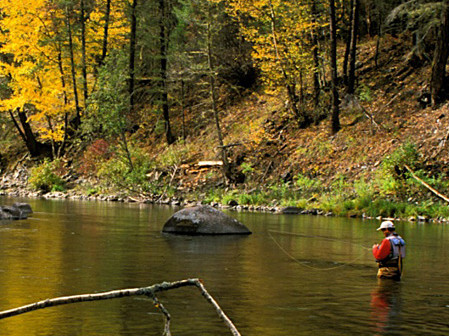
x,y
295,275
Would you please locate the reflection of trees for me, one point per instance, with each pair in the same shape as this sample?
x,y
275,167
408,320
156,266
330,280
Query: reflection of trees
x,y
63,247
28,263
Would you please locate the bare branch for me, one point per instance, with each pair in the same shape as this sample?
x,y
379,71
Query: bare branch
x,y
219,311
166,314
148,291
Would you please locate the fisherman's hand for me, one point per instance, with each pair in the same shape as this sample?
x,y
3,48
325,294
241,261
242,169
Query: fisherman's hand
x,y
376,246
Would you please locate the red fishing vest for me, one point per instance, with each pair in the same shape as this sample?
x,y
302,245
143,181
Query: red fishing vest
x,y
397,250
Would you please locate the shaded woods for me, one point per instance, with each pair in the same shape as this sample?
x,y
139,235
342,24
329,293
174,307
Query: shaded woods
x,y
290,103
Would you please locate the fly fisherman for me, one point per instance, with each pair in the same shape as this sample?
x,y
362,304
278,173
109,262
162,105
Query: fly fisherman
x,y
389,253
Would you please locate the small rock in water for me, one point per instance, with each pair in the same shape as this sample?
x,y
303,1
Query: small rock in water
x,y
291,210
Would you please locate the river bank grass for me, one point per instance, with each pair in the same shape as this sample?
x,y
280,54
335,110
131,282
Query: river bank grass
x,y
390,191
329,203
303,196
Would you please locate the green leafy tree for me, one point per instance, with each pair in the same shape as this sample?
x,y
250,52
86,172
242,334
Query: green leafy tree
x,y
110,104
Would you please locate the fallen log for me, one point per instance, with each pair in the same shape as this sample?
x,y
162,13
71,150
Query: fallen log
x,y
149,291
210,163
426,184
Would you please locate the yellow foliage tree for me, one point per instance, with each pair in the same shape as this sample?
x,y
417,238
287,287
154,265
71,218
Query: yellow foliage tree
x,y
44,57
281,32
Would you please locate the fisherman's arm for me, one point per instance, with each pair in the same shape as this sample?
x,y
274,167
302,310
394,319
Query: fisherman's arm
x,y
381,251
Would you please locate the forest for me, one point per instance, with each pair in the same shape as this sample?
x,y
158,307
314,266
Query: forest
x,y
331,106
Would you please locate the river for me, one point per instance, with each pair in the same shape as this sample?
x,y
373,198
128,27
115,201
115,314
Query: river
x,y
295,275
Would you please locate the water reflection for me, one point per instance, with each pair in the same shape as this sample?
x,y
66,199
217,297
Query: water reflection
x,y
69,248
203,244
386,306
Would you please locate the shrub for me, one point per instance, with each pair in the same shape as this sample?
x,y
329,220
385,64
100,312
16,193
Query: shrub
x,y
364,93
340,187
394,163
246,168
173,155
96,153
306,185
211,195
229,197
331,203
281,191
117,173
387,208
392,177
47,176
254,198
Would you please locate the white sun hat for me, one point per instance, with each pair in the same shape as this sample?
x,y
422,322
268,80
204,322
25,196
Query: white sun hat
x,y
386,225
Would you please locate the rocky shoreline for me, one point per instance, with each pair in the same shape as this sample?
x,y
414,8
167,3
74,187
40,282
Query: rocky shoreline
x,y
174,201
16,185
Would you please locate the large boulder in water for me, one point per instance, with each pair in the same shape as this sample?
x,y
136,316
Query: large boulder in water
x,y
15,211
24,208
5,215
203,220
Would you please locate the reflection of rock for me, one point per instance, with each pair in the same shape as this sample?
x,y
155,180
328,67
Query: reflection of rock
x,y
203,220
227,246
15,211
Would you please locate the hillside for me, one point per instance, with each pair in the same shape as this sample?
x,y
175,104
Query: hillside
x,y
284,164
267,139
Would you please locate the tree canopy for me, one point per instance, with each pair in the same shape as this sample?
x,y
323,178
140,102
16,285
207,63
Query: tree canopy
x,y
56,55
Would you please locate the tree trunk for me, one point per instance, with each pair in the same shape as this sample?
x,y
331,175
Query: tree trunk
x,y
316,61
348,44
183,107
440,59
126,150
131,80
53,144
290,86
213,95
61,148
66,101
163,39
35,147
379,36
354,33
105,32
333,56
132,53
83,51
77,120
